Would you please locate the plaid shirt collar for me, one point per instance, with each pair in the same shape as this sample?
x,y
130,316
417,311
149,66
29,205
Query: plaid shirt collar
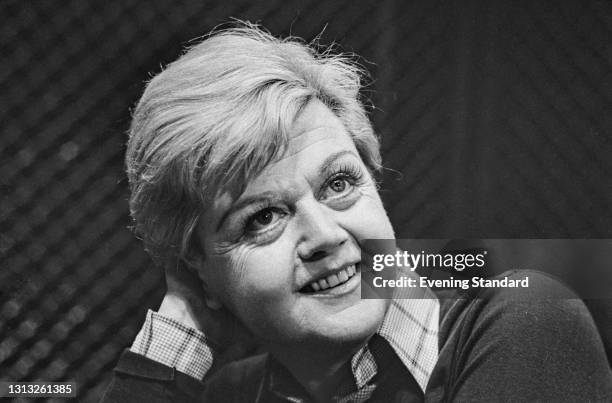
x,y
175,345
411,328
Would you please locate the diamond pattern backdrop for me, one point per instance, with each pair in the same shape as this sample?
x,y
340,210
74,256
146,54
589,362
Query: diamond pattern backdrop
x,y
495,118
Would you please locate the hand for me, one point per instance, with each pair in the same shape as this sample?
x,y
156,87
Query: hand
x,y
185,301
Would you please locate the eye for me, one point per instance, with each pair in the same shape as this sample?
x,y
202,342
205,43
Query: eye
x,y
263,219
338,185
341,190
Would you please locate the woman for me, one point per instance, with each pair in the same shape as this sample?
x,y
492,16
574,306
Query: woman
x,y
252,168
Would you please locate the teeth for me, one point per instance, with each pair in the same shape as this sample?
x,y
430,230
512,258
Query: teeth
x,y
334,279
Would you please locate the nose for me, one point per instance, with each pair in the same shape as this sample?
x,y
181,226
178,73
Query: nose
x,y
321,233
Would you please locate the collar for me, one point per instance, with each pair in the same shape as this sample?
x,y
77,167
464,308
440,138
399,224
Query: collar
x,y
411,328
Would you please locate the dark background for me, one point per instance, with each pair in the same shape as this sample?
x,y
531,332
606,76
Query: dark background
x,y
495,116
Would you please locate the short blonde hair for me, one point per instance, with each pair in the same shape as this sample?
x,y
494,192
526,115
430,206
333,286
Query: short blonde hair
x,y
217,116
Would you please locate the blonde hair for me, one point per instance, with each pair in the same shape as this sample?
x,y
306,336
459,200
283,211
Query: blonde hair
x,y
217,116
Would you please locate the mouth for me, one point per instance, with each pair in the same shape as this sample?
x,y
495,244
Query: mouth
x,y
331,281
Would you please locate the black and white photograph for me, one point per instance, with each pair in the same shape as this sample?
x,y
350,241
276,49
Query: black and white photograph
x,y
306,201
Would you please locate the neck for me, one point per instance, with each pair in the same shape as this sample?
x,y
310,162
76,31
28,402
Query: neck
x,y
320,373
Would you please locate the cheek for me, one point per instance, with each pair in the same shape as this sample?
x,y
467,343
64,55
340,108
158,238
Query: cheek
x,y
253,279
369,218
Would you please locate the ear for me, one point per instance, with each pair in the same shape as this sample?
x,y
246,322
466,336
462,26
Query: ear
x,y
198,265
210,298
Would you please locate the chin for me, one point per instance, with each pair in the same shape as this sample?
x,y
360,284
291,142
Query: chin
x,y
351,327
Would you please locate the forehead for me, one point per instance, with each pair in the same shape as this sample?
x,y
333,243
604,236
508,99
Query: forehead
x,y
315,135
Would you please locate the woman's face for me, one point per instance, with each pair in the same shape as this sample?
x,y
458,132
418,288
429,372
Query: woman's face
x,y
284,256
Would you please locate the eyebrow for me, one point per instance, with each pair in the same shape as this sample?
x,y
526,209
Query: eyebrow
x,y
269,195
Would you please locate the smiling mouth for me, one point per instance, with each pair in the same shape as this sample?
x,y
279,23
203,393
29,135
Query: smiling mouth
x,y
331,281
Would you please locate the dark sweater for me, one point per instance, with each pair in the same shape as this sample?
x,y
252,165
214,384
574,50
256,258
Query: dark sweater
x,y
536,344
